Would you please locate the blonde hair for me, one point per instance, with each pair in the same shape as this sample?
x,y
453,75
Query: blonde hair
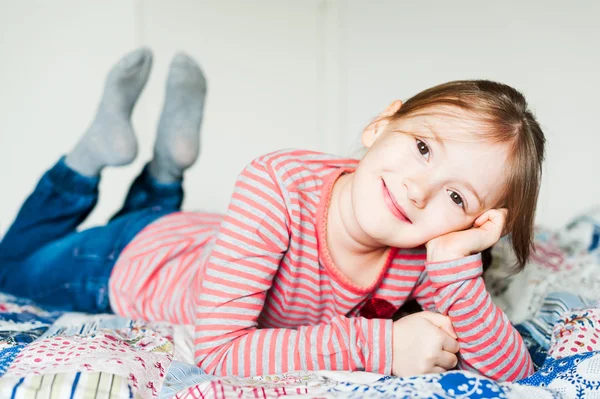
x,y
505,113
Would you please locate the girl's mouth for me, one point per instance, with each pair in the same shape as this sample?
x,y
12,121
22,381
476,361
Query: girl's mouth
x,y
393,205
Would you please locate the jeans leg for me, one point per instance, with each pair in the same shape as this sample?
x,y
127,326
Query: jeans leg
x,y
61,200
72,273
145,192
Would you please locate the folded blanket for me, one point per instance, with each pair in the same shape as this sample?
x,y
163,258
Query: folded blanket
x,y
565,260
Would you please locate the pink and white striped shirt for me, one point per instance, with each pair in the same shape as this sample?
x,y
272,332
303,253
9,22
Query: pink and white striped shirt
x,y
265,297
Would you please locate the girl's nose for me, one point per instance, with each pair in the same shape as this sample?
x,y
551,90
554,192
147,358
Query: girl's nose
x,y
417,192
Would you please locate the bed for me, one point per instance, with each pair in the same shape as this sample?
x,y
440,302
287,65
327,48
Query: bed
x,y
554,303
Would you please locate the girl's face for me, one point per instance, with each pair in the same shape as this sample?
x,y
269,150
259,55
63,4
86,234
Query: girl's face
x,y
424,176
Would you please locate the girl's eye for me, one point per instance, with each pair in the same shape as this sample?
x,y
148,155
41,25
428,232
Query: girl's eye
x,y
423,148
456,198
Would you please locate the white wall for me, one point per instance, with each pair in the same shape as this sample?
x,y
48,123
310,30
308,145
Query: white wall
x,y
286,73
260,59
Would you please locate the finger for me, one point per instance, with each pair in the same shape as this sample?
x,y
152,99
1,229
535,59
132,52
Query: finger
x,y
498,216
448,329
440,321
489,232
495,216
437,370
481,219
447,360
450,344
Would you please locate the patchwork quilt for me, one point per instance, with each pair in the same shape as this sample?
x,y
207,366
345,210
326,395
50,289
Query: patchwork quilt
x,y
555,305
51,355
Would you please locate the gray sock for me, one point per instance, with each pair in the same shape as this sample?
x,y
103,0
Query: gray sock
x,y
178,135
110,140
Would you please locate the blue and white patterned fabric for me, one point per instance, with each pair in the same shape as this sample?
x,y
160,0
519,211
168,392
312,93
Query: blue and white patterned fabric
x,y
21,323
554,305
455,384
181,376
576,376
7,355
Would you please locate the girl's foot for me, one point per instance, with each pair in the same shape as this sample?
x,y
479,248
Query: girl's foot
x,y
178,135
110,140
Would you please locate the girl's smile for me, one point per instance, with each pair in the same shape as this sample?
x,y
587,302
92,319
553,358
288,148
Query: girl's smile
x,y
393,205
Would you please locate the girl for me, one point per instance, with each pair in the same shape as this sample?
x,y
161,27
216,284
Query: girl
x,y
315,253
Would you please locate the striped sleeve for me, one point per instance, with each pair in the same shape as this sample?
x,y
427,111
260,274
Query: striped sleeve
x,y
489,344
254,236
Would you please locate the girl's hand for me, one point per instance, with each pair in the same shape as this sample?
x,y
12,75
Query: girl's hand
x,y
423,343
486,231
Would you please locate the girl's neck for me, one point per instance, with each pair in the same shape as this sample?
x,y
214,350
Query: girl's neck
x,y
354,253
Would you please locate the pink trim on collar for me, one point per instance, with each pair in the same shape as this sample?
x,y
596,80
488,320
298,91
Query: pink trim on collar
x,y
322,212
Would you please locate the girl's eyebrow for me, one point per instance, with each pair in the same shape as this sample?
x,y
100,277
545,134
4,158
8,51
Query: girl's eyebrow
x,y
436,136
471,189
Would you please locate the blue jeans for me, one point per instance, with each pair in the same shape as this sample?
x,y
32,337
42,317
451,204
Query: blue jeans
x,y
43,257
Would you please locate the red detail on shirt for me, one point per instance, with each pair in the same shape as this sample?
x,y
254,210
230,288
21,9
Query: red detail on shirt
x,y
377,308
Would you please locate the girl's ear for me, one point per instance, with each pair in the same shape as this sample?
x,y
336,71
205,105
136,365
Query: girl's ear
x,y
391,109
373,130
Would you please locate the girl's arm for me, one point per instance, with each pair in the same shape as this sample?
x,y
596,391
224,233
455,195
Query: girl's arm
x,y
488,342
254,236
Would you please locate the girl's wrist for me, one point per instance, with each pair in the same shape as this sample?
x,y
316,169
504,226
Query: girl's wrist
x,y
436,254
438,257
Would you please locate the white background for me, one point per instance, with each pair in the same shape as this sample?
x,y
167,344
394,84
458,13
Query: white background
x,y
282,73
